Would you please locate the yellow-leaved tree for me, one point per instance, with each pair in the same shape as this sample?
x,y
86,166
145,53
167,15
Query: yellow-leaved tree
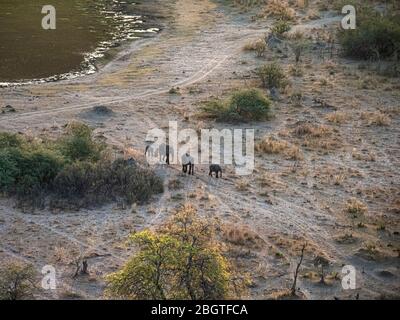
x,y
181,260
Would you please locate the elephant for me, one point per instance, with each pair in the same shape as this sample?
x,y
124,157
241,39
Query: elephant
x,y
163,152
188,161
217,169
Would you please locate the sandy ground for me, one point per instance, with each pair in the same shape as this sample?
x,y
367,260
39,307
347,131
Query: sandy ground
x,y
284,204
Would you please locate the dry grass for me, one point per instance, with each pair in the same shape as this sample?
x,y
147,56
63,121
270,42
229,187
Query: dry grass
x,y
346,239
313,14
283,294
376,118
294,153
259,46
357,155
296,70
272,181
311,130
175,184
370,251
317,136
337,117
296,99
272,145
281,10
356,207
241,235
242,185
62,255
339,179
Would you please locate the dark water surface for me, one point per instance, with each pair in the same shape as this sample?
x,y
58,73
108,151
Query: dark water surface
x,y
85,30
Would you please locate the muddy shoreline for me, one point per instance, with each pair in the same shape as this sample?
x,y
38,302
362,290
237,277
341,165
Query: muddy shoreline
x,y
135,23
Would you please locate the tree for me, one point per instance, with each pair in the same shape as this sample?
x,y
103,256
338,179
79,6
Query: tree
x,y
298,44
296,273
179,261
17,281
202,269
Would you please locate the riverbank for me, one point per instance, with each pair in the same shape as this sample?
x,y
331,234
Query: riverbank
x,y
86,35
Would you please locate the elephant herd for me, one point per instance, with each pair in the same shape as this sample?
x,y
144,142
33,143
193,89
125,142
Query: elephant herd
x,y
164,151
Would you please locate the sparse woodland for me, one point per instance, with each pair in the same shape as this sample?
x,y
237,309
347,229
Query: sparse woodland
x,y
324,103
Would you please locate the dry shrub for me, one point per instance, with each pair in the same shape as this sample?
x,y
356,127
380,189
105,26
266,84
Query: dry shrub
x,y
242,185
296,70
376,118
259,46
371,251
17,280
296,99
316,136
249,46
272,145
369,156
298,44
339,179
280,10
272,181
356,207
313,14
175,184
241,235
337,117
346,239
314,131
294,153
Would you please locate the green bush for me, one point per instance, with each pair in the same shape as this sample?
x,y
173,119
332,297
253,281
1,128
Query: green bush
x,y
8,140
72,169
376,37
180,261
272,76
86,184
79,145
243,105
280,27
75,180
26,173
8,170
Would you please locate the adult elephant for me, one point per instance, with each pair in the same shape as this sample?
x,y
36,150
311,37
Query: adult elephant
x,y
162,152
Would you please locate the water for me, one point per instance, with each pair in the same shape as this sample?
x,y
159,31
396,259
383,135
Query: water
x,y
85,30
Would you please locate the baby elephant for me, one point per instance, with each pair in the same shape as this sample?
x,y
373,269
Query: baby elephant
x,y
217,169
